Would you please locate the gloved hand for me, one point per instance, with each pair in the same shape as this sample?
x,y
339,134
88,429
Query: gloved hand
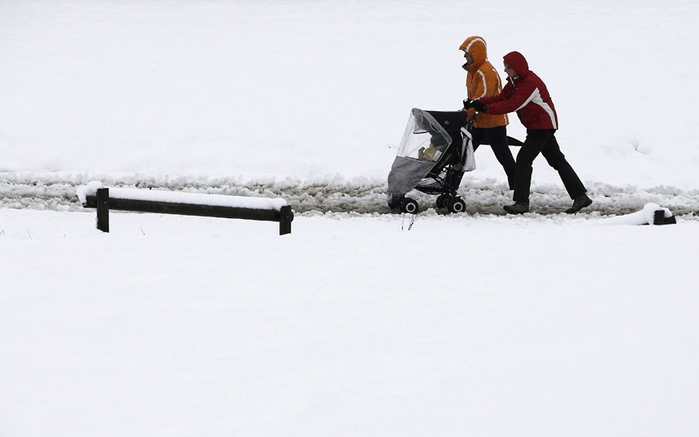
x,y
475,104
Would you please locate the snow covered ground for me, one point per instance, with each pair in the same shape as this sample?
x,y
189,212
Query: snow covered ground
x,y
360,322
347,326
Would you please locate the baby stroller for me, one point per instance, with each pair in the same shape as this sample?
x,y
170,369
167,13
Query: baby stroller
x,y
435,152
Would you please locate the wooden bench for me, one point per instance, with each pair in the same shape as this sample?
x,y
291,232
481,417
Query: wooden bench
x,y
94,195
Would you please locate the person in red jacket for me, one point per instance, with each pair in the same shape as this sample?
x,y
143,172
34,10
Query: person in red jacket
x,y
526,94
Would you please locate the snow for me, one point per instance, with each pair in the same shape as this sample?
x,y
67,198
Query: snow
x,y
646,216
359,322
90,189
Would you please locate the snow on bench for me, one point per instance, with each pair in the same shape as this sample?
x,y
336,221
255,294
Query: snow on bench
x,y
650,214
95,195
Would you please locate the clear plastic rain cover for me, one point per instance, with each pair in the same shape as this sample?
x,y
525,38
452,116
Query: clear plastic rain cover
x,y
424,142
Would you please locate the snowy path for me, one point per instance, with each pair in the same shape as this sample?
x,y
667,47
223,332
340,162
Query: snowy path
x,y
57,192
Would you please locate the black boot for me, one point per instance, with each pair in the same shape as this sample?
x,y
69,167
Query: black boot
x,y
579,203
517,208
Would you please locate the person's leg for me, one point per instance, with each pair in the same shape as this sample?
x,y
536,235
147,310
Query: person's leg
x,y
478,135
557,160
497,137
533,144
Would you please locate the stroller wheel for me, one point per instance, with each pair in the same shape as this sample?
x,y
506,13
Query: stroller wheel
x,y
443,201
457,205
409,205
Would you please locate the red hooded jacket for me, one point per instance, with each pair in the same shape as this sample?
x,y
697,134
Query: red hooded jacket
x,y
526,94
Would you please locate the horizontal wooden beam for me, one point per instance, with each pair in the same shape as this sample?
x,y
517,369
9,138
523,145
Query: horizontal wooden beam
x,y
187,209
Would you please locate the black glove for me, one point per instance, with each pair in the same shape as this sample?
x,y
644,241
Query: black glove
x,y
477,105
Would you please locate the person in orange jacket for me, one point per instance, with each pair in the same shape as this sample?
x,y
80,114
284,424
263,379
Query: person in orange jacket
x,y
482,81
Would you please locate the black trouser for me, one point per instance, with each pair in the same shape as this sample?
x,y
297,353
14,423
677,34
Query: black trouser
x,y
543,141
497,138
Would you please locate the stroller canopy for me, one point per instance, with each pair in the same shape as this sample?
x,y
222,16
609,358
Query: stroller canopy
x,y
430,138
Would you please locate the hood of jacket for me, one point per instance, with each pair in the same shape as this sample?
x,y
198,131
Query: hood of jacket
x,y
517,62
476,47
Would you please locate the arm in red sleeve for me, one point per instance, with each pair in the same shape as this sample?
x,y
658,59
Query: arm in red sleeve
x,y
518,97
507,90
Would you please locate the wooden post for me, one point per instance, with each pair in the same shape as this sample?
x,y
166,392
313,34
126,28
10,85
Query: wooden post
x,y
285,218
659,217
103,209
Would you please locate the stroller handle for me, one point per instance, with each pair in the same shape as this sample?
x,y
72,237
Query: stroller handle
x,y
470,120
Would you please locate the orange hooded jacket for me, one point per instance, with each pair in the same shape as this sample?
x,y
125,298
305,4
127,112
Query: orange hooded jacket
x,y
482,80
